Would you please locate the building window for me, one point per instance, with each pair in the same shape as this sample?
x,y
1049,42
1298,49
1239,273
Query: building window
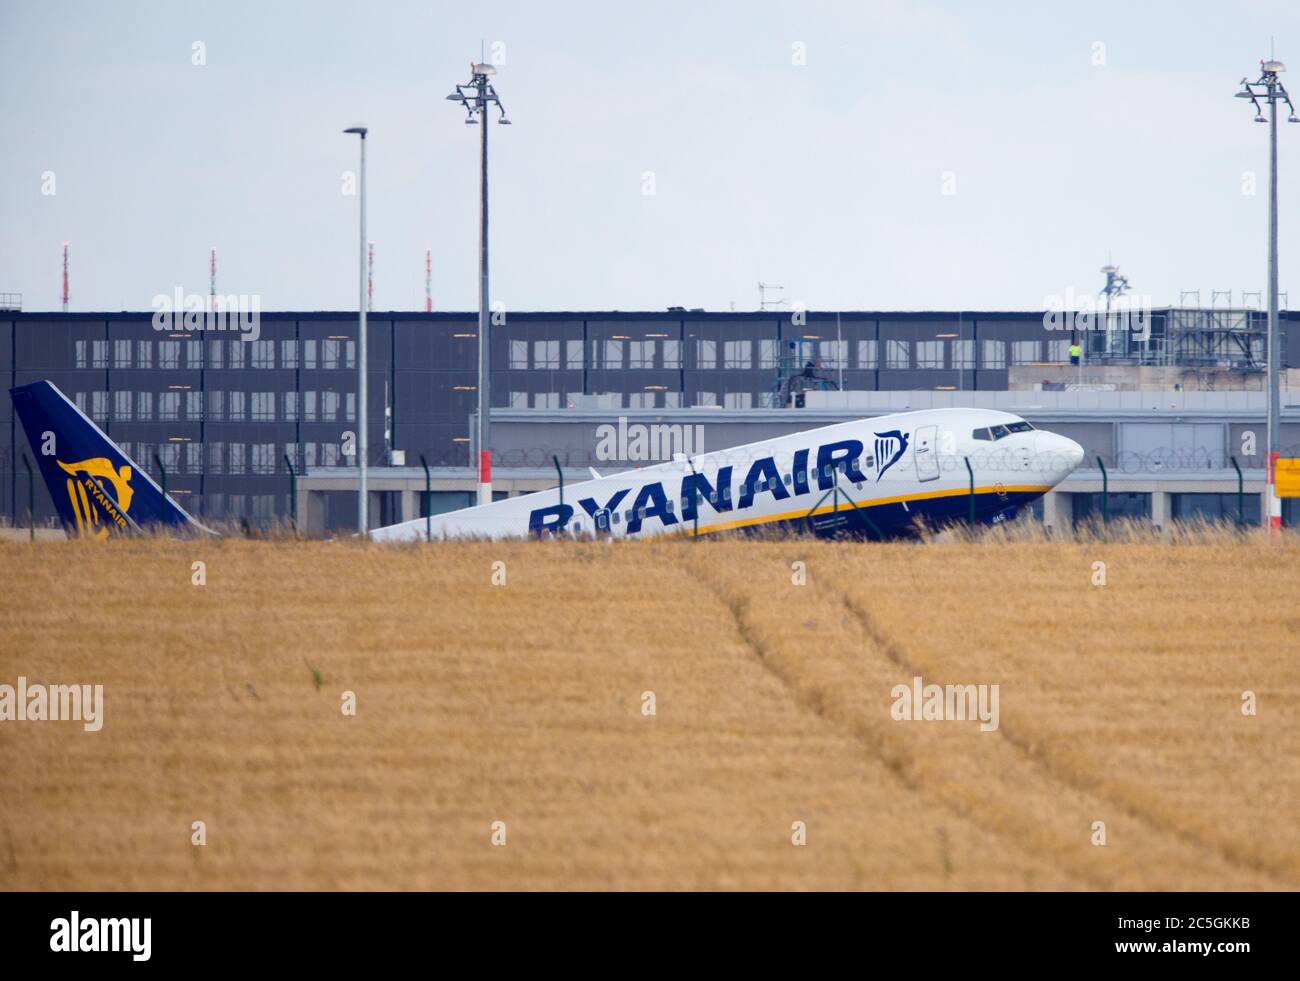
x,y
121,406
194,405
706,353
963,354
194,458
641,354
309,454
1024,352
350,352
309,406
833,354
99,352
263,458
866,354
672,400
706,399
329,454
144,355
518,355
573,355
291,406
216,406
237,349
738,354
518,400
309,355
263,354
1058,351
215,354
169,406
329,406
289,354
194,354
264,406
740,400
898,354
546,354
169,354
121,354
613,354
352,407
236,458
80,348
236,406
640,400
672,354
143,406
546,400
995,354
329,354
216,457
929,354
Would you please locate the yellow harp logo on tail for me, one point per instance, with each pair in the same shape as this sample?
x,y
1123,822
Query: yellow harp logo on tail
x,y
88,497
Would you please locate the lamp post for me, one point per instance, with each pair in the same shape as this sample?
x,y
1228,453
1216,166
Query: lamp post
x,y
475,96
1270,89
362,441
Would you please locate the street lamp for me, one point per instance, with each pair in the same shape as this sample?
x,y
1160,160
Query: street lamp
x,y
476,96
1270,89
362,442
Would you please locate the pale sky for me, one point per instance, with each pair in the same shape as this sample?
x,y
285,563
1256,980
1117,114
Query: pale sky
x,y
1069,132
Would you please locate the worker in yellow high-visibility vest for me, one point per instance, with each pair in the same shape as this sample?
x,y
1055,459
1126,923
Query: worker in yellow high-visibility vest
x,y
1076,352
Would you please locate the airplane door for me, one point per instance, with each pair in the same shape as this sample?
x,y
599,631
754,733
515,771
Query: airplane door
x,y
926,453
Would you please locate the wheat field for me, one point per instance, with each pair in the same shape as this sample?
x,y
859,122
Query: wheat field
x,y
528,702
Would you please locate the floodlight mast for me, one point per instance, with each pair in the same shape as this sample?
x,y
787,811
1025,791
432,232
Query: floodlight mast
x,y
476,96
1270,89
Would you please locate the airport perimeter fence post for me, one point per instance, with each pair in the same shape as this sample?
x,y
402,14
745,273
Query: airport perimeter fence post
x,y
31,499
1241,496
293,494
1105,493
428,500
971,472
563,520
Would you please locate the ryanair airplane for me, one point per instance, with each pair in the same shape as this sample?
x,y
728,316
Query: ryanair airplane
x,y
876,478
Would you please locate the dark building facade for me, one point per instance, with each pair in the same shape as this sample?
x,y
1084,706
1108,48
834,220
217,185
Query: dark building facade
x,y
222,412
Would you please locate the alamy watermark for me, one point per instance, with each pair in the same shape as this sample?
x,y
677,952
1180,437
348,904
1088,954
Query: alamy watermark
x,y
1083,311
53,703
639,442
920,702
193,311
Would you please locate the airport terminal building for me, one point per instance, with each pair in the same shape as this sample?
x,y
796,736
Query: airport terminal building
x,y
225,414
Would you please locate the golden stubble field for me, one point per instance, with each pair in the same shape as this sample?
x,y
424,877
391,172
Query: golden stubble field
x,y
523,703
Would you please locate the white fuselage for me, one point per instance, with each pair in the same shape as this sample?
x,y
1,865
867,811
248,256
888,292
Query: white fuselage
x,y
877,476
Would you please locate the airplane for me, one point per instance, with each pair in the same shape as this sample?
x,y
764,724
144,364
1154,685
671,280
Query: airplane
x,y
876,478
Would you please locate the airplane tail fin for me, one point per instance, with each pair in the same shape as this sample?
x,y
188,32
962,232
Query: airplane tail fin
x,y
97,489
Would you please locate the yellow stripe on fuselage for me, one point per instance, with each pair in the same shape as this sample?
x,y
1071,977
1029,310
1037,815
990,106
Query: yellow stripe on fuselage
x,y
863,505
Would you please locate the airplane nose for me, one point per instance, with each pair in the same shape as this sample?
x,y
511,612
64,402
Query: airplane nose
x,y
1062,453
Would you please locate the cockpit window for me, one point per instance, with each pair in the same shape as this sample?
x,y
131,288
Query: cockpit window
x,y
997,432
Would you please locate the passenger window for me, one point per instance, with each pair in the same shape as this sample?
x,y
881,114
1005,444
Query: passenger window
x,y
788,478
